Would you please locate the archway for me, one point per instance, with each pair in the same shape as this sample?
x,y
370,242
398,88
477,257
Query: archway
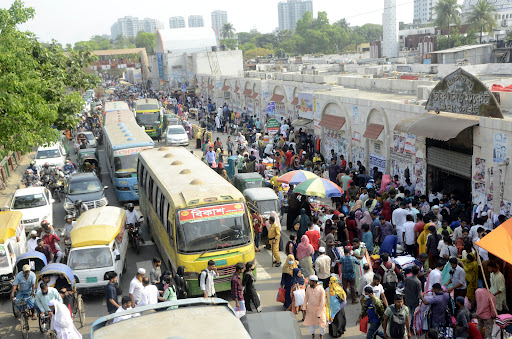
x,y
377,140
336,131
279,100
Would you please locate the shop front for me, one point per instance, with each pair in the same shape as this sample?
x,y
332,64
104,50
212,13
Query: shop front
x,y
335,131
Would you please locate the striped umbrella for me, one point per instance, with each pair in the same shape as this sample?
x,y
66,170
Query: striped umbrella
x,y
296,177
319,187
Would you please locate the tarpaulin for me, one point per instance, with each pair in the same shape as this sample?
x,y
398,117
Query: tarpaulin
x,y
499,241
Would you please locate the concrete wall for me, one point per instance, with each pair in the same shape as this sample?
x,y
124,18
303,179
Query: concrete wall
x,y
388,85
230,63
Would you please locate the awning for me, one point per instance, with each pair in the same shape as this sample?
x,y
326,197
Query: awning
x,y
443,126
277,98
236,89
332,122
301,122
254,95
373,131
295,101
225,88
211,87
247,92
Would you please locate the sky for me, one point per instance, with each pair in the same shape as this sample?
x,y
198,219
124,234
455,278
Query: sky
x,y
69,21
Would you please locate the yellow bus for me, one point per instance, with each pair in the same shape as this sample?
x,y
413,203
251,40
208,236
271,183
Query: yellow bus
x,y
194,215
149,114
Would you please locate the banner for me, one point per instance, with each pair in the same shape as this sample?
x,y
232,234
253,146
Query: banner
x,y
211,212
378,161
305,102
500,147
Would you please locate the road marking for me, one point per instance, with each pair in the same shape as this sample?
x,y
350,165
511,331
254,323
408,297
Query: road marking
x,y
261,273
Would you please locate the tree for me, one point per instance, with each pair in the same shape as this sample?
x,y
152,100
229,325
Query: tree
x,y
103,43
257,52
147,41
39,84
228,31
482,17
447,12
369,32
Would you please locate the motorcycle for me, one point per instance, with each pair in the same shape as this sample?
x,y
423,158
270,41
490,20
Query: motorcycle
x,y
57,189
134,237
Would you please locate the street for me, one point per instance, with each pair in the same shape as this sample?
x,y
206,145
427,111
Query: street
x,y
268,278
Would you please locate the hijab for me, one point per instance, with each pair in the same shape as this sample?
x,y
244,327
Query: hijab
x,y
304,248
296,279
180,271
366,219
277,221
357,205
386,210
62,317
287,268
336,289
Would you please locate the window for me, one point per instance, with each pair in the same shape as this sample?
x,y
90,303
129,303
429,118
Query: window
x,y
166,207
158,201
150,189
154,188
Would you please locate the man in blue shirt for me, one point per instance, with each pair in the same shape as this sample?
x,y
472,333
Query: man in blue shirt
x,y
389,244
111,294
438,303
348,273
210,156
25,284
373,308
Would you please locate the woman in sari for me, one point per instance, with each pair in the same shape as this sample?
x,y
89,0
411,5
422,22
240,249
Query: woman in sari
x,y
287,278
422,239
470,265
298,283
305,256
303,221
336,301
386,211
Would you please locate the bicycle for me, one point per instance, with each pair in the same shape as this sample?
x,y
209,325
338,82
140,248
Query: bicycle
x,y
44,322
23,315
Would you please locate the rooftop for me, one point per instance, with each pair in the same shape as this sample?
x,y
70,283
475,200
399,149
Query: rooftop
x,y
462,48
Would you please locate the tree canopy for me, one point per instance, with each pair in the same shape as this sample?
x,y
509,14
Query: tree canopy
x,y
39,84
482,17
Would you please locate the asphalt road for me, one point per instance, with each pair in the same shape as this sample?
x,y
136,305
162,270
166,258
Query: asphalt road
x,y
95,305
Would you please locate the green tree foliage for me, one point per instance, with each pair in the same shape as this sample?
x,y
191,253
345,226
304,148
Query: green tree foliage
x,y
228,31
482,17
257,52
448,13
147,41
39,84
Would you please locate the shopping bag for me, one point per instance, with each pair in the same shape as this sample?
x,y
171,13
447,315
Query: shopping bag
x,y
238,312
280,295
363,325
299,296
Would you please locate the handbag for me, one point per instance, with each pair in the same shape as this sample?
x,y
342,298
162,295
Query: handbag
x,y
280,295
299,296
297,225
363,325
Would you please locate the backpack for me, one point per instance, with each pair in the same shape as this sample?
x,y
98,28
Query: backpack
x,y
397,324
389,279
199,278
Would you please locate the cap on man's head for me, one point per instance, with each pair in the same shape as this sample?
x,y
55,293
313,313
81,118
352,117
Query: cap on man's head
x,y
483,214
141,271
33,232
51,302
460,300
321,250
26,268
313,278
435,207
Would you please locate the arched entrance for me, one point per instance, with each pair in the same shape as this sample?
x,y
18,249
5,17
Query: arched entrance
x,y
377,143
279,100
335,131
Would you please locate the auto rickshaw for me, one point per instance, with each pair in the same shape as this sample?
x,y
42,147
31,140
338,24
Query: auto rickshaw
x,y
192,113
72,298
36,261
87,161
13,243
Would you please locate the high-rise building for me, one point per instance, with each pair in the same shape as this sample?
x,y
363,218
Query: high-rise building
x,y
129,26
389,30
219,18
424,11
177,22
291,11
195,21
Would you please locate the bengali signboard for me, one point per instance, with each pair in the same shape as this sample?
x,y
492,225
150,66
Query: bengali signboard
x,y
211,212
272,126
461,92
160,60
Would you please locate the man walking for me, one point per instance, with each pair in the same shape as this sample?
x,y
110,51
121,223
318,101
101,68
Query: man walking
x,y
397,320
438,303
236,288
485,310
348,273
136,288
274,235
408,235
365,279
111,294
323,266
457,279
374,310
413,289
206,280
149,293
314,305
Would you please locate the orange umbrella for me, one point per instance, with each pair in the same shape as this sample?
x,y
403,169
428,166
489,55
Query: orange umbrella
x,y
499,241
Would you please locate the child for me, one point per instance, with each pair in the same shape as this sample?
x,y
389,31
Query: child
x,y
367,237
291,246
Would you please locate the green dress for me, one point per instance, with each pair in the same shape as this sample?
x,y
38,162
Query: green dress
x,y
170,295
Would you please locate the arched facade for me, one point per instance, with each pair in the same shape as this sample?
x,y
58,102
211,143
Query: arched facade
x,y
279,99
377,140
336,130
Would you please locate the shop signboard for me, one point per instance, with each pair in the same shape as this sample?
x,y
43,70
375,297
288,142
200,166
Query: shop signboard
x,y
160,60
271,108
461,92
378,161
272,126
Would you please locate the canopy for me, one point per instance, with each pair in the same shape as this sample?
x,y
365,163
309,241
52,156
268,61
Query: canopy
x,y
9,222
38,258
296,177
499,241
98,226
442,127
56,268
319,187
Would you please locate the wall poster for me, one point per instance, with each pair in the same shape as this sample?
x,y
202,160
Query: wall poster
x,y
500,147
479,175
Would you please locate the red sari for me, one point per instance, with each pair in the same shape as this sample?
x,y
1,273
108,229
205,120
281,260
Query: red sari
x,y
351,228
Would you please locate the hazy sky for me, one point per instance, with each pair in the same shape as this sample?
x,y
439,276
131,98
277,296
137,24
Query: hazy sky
x,y
69,21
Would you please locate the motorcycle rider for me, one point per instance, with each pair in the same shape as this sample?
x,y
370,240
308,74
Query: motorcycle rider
x,y
69,168
133,218
68,226
29,179
46,173
33,167
51,239
80,207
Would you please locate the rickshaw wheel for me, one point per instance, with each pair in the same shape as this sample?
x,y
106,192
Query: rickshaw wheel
x,y
51,335
24,325
81,310
43,325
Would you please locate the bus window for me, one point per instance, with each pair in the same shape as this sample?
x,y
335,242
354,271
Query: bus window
x,y
150,190
162,212
165,213
153,194
157,202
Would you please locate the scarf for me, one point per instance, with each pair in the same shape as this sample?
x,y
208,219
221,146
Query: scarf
x,y
287,268
357,205
336,289
62,317
304,248
296,279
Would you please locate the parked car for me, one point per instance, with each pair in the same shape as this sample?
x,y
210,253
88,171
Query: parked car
x,y
54,154
36,205
86,187
176,136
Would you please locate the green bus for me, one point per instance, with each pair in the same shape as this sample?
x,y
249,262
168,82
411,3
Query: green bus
x,y
149,114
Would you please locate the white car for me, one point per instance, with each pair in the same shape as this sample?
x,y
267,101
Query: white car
x,y
36,205
176,136
54,154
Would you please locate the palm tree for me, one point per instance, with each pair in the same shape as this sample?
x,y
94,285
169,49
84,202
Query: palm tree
x,y
482,17
447,13
228,31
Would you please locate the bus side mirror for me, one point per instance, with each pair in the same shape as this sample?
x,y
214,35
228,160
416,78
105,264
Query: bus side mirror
x,y
118,257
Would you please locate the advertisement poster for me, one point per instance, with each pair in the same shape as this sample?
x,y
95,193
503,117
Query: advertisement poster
x,y
479,196
305,102
410,144
355,115
419,174
479,170
500,147
489,202
396,142
343,146
491,180
357,154
378,161
357,136
505,208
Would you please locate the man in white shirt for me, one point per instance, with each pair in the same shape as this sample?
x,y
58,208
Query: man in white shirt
x,y
378,289
149,294
398,219
206,280
132,216
32,241
125,306
323,266
366,278
408,235
486,222
136,287
436,276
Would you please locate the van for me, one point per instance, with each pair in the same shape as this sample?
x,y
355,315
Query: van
x,y
54,154
243,181
262,200
99,243
13,243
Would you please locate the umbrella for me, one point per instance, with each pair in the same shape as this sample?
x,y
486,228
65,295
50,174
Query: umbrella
x,y
319,187
296,177
498,241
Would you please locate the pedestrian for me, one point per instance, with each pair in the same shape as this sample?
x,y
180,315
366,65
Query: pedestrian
x,y
170,291
303,221
236,288
432,245
250,293
438,302
314,239
156,272
111,293
149,294
485,312
470,266
413,289
366,279
373,309
397,320
291,246
462,321
367,238
274,236
305,253
457,279
62,323
230,145
336,301
181,282
158,133
389,245
298,283
206,280
323,267
136,288
210,156
378,290
391,275
348,274
408,236
314,305
498,287
287,278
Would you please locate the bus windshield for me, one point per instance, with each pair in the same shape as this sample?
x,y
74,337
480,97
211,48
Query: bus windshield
x,y
88,258
148,119
212,234
125,166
